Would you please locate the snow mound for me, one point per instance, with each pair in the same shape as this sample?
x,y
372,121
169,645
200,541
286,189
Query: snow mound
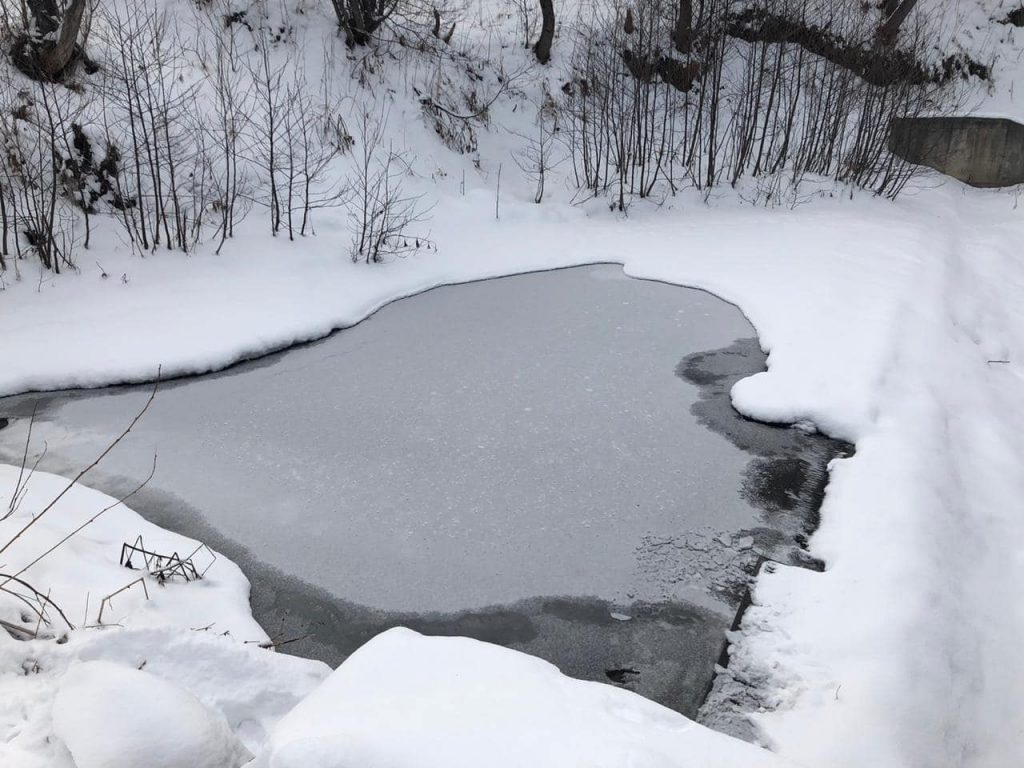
x,y
86,568
404,700
112,716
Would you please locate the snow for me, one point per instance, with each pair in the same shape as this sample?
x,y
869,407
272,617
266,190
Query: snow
x,y
143,719
898,326
934,677
198,636
879,320
220,600
409,701
249,687
269,306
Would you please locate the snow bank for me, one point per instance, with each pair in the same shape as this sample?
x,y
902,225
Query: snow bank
x,y
906,650
196,641
404,700
112,716
86,569
846,264
247,687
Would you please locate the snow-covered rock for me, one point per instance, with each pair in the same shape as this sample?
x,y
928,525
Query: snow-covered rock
x,y
405,700
112,716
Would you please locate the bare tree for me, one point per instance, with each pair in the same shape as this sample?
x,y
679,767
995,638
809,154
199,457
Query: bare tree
x,y
313,136
233,91
165,185
527,14
35,147
267,122
770,107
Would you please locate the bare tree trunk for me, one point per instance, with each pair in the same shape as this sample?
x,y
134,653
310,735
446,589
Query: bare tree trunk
x,y
547,31
50,37
53,60
890,28
682,35
361,18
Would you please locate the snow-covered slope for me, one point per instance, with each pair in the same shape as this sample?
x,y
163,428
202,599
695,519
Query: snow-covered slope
x,y
907,650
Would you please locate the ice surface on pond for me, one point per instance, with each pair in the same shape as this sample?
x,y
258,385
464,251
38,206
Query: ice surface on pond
x,y
469,446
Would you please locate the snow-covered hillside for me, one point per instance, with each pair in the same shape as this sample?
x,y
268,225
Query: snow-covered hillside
x,y
896,325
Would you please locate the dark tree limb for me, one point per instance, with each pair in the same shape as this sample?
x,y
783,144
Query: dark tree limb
x,y
547,31
682,34
879,67
890,29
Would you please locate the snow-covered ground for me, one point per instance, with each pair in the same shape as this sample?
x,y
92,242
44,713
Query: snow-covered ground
x,y
894,325
197,637
897,326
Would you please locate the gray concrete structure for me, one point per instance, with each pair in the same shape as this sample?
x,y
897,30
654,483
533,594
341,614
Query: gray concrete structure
x,y
980,151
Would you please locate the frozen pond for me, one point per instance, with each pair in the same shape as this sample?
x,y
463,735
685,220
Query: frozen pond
x,y
517,459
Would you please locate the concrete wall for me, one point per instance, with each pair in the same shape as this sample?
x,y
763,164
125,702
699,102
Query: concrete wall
x,y
983,152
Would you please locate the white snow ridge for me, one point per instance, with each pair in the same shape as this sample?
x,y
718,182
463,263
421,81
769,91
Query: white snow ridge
x,y
408,701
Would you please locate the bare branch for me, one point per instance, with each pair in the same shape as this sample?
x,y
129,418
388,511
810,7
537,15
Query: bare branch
x,y
85,471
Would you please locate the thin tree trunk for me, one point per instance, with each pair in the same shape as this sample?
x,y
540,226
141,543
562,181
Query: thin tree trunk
x,y
547,31
682,35
890,28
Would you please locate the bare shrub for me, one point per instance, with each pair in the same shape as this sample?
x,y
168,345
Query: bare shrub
x,y
384,217
165,183
36,132
228,132
623,116
314,135
537,158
